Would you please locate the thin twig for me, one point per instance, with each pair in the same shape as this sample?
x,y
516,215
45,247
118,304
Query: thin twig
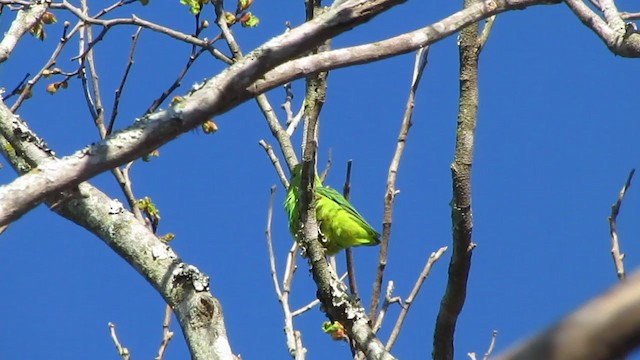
x,y
486,30
93,72
226,32
122,351
167,334
116,101
351,268
176,83
286,105
630,16
294,338
134,20
52,60
276,163
618,256
388,300
494,335
94,103
290,268
327,168
18,88
311,304
295,120
305,308
267,110
272,257
123,177
412,296
391,192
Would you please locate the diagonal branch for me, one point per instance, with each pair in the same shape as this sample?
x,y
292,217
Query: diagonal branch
x,y
182,285
216,96
24,21
435,256
219,95
618,256
391,192
614,34
607,327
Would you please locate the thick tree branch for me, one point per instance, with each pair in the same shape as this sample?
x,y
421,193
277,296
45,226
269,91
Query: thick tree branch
x,y
182,286
217,95
607,327
470,45
615,36
24,21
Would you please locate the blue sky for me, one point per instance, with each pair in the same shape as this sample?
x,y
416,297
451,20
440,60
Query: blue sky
x,y
557,135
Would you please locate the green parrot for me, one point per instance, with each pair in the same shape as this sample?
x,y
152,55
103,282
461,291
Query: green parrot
x,y
341,225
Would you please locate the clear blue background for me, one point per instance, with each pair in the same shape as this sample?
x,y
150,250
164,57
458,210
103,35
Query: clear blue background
x,y
557,135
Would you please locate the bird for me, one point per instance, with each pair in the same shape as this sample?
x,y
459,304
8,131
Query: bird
x,y
341,225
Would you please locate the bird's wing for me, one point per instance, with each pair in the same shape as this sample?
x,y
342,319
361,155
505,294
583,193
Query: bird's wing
x,y
336,197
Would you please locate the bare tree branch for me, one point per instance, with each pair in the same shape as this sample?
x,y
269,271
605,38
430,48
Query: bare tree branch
x,y
351,268
388,300
331,291
216,96
134,20
614,34
612,15
435,256
167,334
487,355
182,285
470,45
391,192
24,21
122,351
120,89
294,338
618,256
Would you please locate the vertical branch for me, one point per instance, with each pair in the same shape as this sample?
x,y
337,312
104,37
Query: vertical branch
x,y
316,85
24,21
93,72
167,334
332,292
391,192
618,256
294,338
122,350
487,355
470,45
351,268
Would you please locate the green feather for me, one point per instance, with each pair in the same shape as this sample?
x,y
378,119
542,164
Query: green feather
x,y
341,224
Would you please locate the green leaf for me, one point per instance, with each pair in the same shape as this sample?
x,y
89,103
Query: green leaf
x,y
249,20
194,5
